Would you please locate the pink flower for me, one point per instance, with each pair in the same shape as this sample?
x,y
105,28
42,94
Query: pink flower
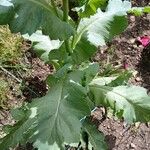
x,y
144,40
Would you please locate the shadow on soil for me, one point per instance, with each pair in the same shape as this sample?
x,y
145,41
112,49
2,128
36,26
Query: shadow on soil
x,y
144,67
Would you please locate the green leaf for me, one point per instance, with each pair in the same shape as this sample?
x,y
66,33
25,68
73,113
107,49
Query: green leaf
x,y
19,133
81,2
42,44
83,51
90,7
130,102
83,76
138,11
63,71
6,11
95,137
59,115
102,26
85,73
30,15
146,9
122,79
90,71
18,113
52,119
117,26
103,80
59,54
113,81
95,4
7,128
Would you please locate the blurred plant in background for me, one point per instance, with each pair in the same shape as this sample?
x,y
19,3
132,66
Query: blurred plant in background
x,y
10,45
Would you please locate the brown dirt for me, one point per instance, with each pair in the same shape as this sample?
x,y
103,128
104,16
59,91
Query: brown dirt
x,y
121,136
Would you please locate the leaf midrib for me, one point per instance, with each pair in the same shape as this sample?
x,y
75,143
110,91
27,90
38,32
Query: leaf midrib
x,y
86,27
57,108
94,143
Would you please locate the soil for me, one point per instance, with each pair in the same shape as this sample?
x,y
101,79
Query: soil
x,y
121,136
127,53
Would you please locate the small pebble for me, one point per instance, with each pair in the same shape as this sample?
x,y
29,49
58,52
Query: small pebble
x,y
132,145
138,79
132,18
148,16
141,46
135,46
132,40
137,124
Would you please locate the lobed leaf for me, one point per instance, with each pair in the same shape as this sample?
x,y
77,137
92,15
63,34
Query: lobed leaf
x,y
130,102
19,133
54,119
59,115
90,7
83,51
30,15
122,79
113,81
103,25
42,44
59,54
95,137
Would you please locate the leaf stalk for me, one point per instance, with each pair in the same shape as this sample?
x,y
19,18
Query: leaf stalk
x,y
65,18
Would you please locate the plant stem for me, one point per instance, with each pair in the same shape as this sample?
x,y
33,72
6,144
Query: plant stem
x,y
9,73
65,18
16,66
18,80
54,7
68,48
65,10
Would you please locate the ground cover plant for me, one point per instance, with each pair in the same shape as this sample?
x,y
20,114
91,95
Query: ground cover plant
x,y
9,46
75,89
10,57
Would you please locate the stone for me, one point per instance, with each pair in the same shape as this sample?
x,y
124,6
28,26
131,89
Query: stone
x,y
132,18
138,79
132,145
